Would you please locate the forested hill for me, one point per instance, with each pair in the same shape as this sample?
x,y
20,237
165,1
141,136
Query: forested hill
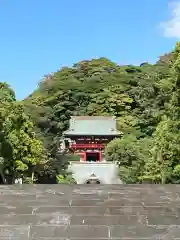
x,y
143,98
136,95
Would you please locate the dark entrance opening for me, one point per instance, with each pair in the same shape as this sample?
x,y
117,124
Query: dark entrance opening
x,y
1,180
92,157
93,181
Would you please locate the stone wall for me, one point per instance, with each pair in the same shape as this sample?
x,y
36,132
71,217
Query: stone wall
x,y
106,172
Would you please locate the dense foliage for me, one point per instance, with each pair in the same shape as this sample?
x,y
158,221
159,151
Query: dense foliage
x,y
145,100
20,151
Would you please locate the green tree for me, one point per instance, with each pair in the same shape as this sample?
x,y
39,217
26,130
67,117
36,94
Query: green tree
x,y
111,101
165,153
6,93
20,149
164,164
130,154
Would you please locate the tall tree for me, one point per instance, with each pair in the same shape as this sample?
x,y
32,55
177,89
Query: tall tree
x,y
163,167
130,154
20,150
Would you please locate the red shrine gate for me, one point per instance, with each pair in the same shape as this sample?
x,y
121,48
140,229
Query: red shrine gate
x,y
91,152
88,136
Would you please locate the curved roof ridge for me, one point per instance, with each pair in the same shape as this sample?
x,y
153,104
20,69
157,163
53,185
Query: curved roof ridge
x,y
93,125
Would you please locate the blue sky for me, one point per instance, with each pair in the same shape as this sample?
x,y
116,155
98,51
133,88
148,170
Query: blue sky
x,y
40,36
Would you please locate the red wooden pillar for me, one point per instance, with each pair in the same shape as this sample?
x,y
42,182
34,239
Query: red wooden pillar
x,y
85,158
100,156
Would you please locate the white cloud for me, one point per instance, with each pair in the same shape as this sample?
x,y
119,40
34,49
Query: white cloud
x,y
171,27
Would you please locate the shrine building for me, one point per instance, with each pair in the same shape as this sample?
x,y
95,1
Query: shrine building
x,y
87,136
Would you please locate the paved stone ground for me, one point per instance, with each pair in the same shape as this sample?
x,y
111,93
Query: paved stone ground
x,y
90,212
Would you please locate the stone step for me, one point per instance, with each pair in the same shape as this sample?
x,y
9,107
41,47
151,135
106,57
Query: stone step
x,y
89,212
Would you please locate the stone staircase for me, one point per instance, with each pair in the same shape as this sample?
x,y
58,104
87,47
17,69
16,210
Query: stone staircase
x,y
89,212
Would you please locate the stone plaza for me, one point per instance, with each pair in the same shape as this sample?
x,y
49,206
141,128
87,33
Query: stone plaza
x,y
89,212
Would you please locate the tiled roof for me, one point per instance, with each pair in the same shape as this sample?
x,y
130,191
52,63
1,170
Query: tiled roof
x,y
92,125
